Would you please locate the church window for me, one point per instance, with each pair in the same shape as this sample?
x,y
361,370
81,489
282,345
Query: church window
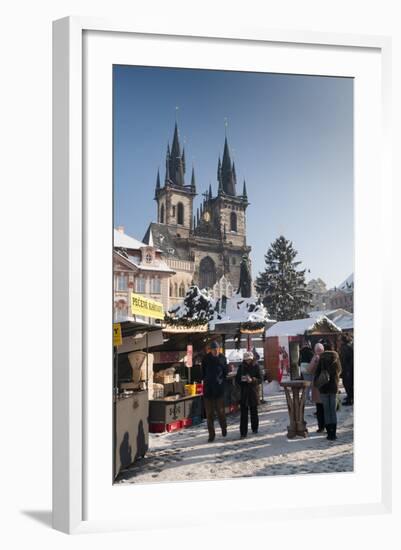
x,y
171,289
207,273
175,289
173,212
162,213
180,213
234,260
182,290
233,221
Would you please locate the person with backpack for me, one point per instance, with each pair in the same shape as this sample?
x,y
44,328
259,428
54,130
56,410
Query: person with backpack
x,y
326,380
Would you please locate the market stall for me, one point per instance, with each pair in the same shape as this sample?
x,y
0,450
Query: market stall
x,y
284,339
177,401
133,340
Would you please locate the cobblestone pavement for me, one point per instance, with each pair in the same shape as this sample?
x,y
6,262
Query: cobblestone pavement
x,y
186,455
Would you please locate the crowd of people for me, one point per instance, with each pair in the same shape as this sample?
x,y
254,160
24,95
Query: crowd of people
x,y
322,366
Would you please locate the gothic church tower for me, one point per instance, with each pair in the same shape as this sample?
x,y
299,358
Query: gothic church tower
x,y
175,198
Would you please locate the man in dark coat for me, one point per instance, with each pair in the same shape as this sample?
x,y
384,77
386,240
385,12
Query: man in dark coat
x,y
329,361
347,363
214,373
248,378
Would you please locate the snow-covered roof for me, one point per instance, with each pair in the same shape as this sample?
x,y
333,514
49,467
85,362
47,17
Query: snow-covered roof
x,y
242,310
340,317
299,326
348,284
156,265
122,240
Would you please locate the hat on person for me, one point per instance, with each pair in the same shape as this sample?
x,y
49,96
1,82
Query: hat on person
x,y
248,355
214,345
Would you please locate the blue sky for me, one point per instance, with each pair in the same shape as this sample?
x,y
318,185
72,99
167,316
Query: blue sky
x,y
291,138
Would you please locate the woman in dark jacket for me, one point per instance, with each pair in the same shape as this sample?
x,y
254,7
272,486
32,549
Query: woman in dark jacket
x,y
330,362
248,378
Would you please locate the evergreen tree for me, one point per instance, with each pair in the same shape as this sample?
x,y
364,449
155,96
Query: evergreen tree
x,y
196,308
281,286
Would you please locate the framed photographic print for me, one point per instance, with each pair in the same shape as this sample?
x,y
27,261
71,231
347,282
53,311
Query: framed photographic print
x,y
219,201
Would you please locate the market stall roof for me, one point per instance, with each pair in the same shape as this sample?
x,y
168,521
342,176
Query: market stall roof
x,y
340,317
179,341
321,324
130,327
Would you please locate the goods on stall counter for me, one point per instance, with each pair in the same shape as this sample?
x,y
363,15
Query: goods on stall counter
x,y
158,391
166,376
190,389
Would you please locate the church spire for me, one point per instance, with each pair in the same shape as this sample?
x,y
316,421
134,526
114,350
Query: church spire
x,y
234,174
157,183
210,191
167,178
227,172
177,161
244,192
183,159
220,189
193,184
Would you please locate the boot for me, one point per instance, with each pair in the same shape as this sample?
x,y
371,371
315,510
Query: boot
x,y
333,432
328,430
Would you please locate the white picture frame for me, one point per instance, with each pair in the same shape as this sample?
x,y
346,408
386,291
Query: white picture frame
x,y
73,252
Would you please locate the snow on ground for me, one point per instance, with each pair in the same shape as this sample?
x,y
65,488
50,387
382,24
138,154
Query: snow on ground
x,y
186,455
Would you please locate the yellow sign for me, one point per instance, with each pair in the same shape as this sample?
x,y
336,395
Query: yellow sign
x,y
146,308
117,336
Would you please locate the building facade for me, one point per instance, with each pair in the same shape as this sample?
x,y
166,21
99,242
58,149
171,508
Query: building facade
x,y
138,268
333,298
201,245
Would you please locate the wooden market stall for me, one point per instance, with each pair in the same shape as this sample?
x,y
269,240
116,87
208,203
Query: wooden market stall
x,y
132,376
284,339
177,401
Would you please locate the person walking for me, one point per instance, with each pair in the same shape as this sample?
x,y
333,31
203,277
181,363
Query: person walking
x,y
330,365
305,357
248,378
318,349
214,374
347,363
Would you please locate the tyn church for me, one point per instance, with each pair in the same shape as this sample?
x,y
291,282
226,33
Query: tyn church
x,y
203,246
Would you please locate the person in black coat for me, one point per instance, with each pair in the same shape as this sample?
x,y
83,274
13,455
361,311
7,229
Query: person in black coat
x,y
329,361
214,374
248,378
347,363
